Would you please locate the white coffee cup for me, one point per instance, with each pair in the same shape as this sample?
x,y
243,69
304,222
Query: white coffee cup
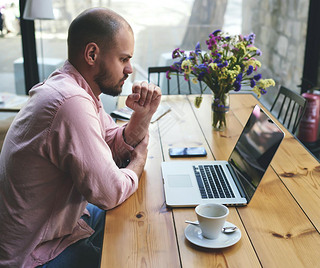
x,y
211,219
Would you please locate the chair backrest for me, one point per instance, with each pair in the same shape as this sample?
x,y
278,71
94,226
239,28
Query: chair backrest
x,y
289,108
175,85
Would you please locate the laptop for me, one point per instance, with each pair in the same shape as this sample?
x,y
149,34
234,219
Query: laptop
x,y
232,182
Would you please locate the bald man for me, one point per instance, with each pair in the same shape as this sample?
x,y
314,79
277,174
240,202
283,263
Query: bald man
x,y
64,161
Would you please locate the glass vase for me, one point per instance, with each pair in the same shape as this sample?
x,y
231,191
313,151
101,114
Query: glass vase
x,y
220,106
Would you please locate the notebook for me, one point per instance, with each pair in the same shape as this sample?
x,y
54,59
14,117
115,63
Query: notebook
x,y
125,113
232,182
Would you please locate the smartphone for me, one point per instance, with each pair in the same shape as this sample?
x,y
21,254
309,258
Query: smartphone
x,y
187,151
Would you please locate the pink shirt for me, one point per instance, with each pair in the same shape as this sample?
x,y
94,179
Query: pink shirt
x,y
61,151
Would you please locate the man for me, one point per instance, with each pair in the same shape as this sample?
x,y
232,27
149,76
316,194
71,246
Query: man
x,y
63,151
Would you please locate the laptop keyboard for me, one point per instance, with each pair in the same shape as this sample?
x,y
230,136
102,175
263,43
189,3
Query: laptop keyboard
x,y
212,182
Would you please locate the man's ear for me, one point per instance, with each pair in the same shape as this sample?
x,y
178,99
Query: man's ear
x,y
91,53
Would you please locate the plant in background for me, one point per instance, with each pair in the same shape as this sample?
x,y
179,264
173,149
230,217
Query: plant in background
x,y
229,64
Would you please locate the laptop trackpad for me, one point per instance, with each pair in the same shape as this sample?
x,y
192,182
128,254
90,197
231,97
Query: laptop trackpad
x,y
179,180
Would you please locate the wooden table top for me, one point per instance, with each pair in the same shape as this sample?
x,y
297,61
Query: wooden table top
x,y
280,226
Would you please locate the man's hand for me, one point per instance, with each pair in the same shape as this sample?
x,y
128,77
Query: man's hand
x,y
145,98
144,101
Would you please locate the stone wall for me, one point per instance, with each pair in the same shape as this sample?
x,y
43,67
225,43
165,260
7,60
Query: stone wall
x,y
280,27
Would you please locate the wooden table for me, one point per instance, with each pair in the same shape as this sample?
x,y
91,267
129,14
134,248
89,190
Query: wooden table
x,y
280,227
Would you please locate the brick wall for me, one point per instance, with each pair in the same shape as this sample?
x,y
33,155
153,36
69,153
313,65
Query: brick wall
x,y
280,27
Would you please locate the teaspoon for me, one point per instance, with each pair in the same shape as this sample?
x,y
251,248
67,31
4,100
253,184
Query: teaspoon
x,y
227,229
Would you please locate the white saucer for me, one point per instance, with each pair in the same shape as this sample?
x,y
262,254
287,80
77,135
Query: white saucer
x,y
194,235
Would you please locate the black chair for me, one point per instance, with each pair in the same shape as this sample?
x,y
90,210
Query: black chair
x,y
175,85
289,108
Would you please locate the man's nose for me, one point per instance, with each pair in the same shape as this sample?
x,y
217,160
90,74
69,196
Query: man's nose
x,y
128,69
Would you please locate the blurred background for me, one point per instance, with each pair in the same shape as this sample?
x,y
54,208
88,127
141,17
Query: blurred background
x,y
160,27
286,33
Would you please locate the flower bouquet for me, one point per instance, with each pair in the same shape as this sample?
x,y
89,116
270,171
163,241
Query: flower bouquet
x,y
229,65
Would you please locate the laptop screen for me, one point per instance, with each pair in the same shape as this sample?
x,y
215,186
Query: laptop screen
x,y
254,150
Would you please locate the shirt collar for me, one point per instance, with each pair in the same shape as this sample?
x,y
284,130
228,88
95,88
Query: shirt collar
x,y
69,69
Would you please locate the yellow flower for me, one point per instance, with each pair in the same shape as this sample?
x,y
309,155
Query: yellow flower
x,y
233,59
194,80
257,91
226,66
253,49
237,69
213,66
242,47
255,63
198,101
233,73
186,66
264,83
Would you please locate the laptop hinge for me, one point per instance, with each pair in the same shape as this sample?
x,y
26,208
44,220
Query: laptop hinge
x,y
236,180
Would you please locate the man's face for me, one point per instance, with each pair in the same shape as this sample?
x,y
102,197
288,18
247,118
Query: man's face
x,y
114,65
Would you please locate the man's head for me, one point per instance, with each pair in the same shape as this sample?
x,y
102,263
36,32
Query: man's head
x,y
100,46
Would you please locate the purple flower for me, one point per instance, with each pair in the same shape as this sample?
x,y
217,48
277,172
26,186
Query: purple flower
x,y
250,38
222,64
201,75
239,77
252,83
202,66
257,77
250,70
237,85
208,43
216,32
235,50
259,52
176,53
263,91
197,49
168,75
177,66
212,41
